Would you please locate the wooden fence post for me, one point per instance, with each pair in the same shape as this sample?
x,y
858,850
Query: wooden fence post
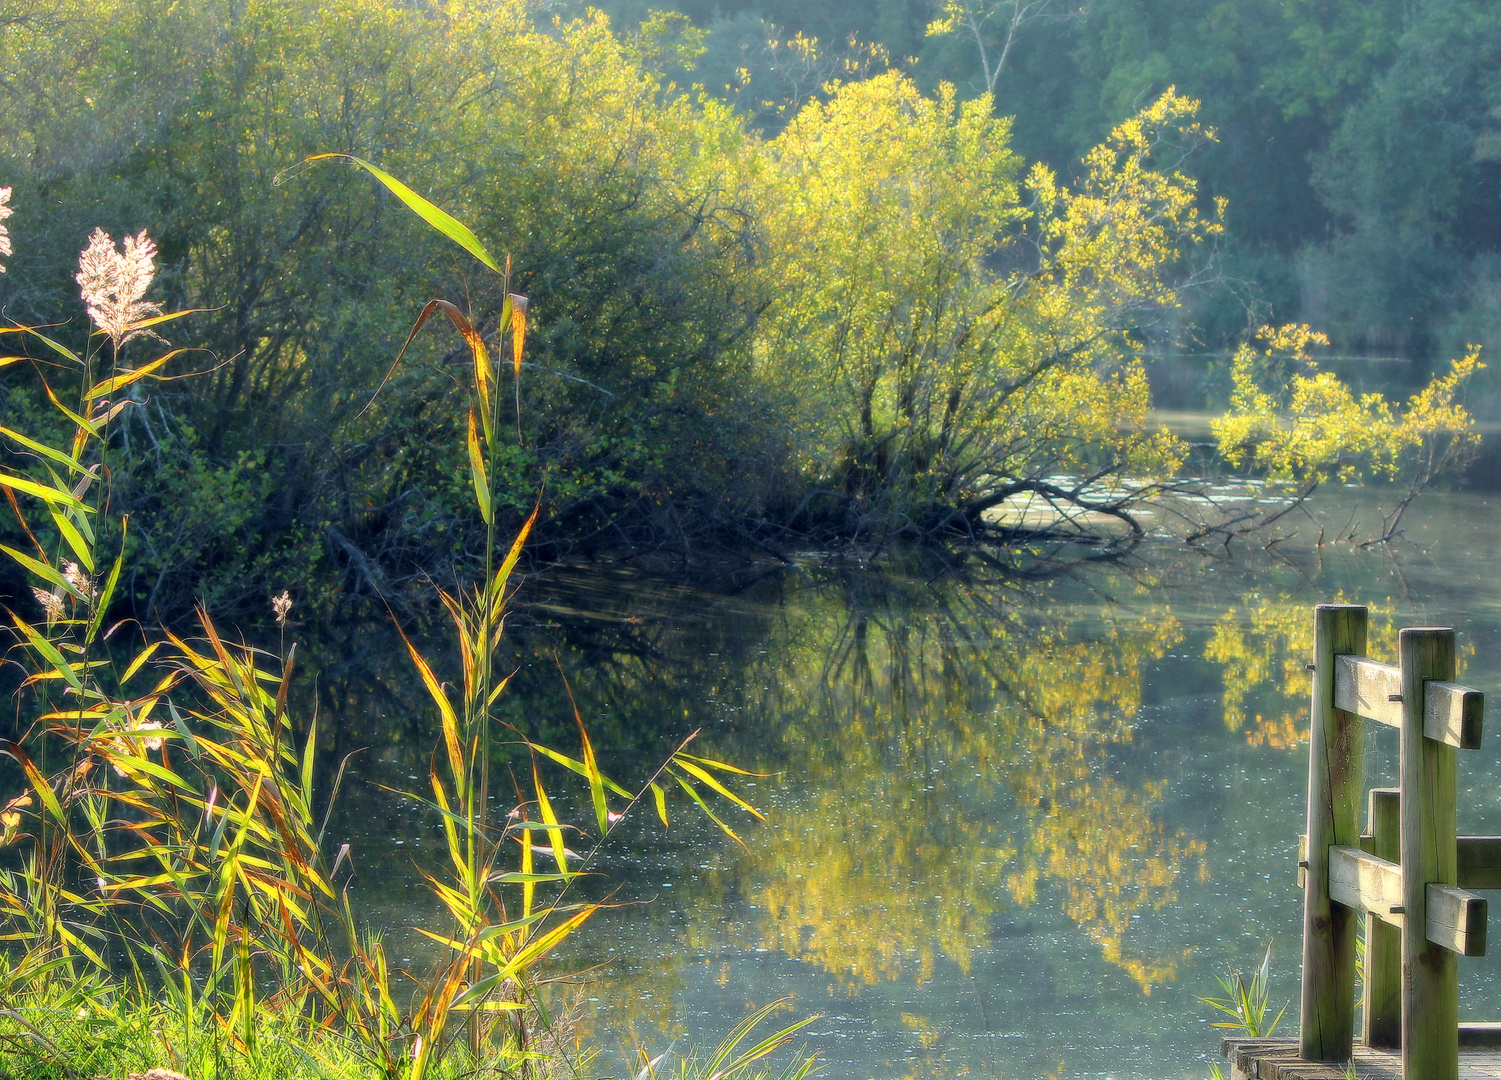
x,y
1430,972
1382,1016
1327,1024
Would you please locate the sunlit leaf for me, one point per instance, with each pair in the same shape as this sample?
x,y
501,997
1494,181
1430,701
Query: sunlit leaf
x,y
704,775
42,645
446,224
43,449
445,710
110,385
74,539
56,496
696,797
107,594
497,584
554,828
518,331
477,471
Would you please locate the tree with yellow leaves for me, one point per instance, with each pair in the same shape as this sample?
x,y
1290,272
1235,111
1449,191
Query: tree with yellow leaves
x,y
957,334
1296,424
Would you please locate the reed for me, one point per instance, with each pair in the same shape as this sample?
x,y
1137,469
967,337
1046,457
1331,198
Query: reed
x,y
166,867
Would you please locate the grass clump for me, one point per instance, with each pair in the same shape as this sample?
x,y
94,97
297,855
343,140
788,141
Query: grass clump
x,y
61,1030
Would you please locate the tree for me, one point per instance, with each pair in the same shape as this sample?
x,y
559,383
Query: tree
x,y
1413,180
994,25
624,200
1295,424
949,343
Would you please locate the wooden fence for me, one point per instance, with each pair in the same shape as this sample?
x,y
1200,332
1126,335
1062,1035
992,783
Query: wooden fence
x,y
1409,874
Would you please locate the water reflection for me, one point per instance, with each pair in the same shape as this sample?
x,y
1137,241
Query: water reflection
x,y
952,745
1015,827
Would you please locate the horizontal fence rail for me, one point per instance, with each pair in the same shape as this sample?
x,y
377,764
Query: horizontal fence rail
x,y
1451,713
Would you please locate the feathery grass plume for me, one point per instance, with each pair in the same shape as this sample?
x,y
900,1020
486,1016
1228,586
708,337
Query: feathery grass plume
x,y
73,574
114,283
5,211
51,601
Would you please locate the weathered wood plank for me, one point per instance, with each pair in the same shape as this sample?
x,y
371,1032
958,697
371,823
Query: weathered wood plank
x,y
1486,1036
1326,1027
1369,689
1456,920
1479,858
1275,1059
1430,972
1452,714
1366,883
1381,1017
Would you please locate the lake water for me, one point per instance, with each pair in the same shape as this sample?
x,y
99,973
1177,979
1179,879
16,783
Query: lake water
x,y
1015,827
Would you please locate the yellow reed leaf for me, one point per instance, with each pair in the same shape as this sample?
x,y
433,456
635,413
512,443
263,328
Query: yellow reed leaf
x,y
518,331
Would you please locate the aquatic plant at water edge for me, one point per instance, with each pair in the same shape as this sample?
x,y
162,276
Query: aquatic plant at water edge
x,y
1247,1003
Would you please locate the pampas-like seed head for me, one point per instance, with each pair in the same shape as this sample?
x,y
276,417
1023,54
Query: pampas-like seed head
x,y
114,283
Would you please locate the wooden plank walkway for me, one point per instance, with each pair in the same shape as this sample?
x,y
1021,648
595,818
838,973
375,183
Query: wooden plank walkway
x,y
1277,1059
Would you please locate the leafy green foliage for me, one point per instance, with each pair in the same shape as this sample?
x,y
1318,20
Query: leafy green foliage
x,y
1411,175
206,867
868,318
1247,1003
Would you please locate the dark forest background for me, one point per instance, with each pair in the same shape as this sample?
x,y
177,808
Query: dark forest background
x,y
1359,140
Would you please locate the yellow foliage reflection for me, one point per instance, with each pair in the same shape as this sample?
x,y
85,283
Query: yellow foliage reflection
x,y
1265,646
956,759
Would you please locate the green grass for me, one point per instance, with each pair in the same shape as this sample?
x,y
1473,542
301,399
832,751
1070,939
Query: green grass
x,y
68,1030
87,1028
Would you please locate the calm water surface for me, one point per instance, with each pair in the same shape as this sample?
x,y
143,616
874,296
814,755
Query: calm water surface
x,y
1014,827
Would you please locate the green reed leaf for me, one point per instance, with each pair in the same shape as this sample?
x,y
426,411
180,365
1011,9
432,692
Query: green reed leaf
x,y
574,765
80,547
591,772
696,797
445,711
55,496
110,385
477,472
41,448
45,572
52,656
720,765
703,775
439,219
554,827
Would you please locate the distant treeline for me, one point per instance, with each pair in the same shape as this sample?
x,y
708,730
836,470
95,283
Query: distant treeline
x,y
781,294
1359,140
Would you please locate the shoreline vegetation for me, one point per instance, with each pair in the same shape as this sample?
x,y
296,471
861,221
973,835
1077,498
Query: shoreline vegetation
x,y
876,327
872,322
165,878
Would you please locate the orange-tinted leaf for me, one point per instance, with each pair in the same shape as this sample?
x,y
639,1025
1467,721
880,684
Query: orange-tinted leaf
x,y
518,331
